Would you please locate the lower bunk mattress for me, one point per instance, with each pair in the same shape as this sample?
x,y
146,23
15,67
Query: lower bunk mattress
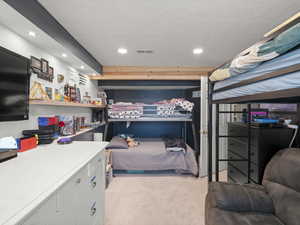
x,y
284,82
151,155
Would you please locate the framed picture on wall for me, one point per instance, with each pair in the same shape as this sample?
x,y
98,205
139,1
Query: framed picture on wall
x,y
45,66
35,64
51,73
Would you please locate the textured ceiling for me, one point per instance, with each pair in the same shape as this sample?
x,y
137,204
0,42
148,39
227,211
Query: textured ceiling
x,y
171,28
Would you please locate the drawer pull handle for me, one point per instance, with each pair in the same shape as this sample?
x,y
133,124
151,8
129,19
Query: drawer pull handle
x,y
94,184
93,209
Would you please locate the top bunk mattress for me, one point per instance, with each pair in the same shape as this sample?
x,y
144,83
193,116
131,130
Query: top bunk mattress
x,y
281,62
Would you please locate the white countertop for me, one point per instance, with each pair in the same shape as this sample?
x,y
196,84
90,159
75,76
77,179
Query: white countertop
x,y
34,175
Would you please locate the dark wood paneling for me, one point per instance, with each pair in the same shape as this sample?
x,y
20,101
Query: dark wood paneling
x,y
196,118
149,129
145,129
145,96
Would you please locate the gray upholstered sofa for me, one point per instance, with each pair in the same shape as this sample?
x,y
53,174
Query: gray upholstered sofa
x,y
276,202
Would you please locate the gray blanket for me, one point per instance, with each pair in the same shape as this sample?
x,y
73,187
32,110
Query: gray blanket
x,y
151,155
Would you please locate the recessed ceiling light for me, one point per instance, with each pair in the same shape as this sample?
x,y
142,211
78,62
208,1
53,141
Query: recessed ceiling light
x,y
197,51
122,51
82,67
31,33
64,55
72,69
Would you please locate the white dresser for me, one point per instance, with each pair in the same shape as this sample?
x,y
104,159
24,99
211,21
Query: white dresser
x,y
54,185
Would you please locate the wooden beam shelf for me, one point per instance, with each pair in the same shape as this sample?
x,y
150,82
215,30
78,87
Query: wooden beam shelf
x,y
65,104
145,77
151,73
284,26
150,69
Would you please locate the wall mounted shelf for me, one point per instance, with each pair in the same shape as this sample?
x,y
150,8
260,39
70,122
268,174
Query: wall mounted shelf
x,y
65,104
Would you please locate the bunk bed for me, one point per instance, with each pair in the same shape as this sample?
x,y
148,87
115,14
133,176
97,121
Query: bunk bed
x,y
151,154
274,81
166,112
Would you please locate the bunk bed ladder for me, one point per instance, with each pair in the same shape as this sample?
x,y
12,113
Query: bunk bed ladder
x,y
218,136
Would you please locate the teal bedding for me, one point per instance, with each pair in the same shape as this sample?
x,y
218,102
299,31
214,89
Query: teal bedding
x,y
283,42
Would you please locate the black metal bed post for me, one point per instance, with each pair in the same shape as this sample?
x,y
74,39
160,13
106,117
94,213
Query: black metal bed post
x,y
217,142
209,133
106,124
196,145
249,118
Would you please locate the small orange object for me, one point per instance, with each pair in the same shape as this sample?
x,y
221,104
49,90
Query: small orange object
x,y
27,144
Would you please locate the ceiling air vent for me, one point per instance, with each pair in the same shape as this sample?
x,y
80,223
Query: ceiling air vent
x,y
144,51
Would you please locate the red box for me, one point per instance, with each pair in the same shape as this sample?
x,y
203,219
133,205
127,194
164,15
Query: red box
x,y
27,144
53,121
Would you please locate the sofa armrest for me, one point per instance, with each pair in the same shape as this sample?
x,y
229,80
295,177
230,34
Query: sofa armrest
x,y
239,198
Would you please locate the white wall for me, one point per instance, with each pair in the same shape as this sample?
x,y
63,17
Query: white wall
x,y
203,127
17,44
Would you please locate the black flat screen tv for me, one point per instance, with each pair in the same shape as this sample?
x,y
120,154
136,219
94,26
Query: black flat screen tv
x,y
14,86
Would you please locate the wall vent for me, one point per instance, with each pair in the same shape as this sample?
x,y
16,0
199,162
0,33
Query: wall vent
x,y
144,51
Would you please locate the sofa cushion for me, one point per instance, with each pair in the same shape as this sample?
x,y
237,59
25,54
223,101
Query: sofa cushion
x,y
240,198
216,216
286,202
282,181
284,168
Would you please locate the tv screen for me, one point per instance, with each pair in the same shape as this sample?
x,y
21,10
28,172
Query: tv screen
x,y
14,86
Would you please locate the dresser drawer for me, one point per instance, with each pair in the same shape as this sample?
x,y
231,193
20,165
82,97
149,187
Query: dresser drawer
x,y
235,176
241,149
243,167
230,180
241,133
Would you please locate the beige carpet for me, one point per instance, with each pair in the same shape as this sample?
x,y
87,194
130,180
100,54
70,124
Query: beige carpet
x,y
155,200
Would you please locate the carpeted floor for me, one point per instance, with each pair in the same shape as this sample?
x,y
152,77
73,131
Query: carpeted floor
x,y
156,200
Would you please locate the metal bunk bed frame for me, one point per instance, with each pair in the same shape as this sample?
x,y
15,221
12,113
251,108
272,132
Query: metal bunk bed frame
x,y
281,96
145,119
157,119
218,136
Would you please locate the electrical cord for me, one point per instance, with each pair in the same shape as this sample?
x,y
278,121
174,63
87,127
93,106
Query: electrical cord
x,y
295,127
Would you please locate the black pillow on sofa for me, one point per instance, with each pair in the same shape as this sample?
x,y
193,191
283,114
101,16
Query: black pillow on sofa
x,y
117,143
